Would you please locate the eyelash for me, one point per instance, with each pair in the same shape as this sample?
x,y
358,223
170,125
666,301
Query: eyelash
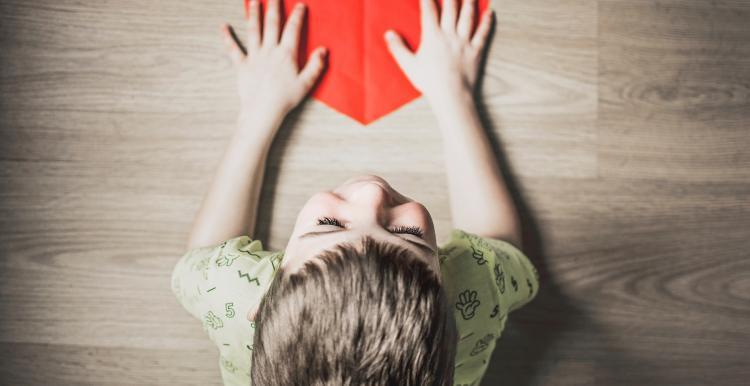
x,y
414,230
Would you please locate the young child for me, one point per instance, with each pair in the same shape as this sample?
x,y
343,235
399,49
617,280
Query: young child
x,y
362,294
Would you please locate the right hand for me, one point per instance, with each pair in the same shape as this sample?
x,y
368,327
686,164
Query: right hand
x,y
269,79
448,58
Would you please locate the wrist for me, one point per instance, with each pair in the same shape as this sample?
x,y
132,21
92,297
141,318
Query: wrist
x,y
452,103
450,98
260,119
254,139
259,127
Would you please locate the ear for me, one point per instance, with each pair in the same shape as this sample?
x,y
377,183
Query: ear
x,y
251,313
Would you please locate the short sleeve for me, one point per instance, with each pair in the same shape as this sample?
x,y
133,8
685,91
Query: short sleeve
x,y
218,284
485,279
516,278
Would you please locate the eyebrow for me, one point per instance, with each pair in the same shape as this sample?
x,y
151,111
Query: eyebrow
x,y
424,247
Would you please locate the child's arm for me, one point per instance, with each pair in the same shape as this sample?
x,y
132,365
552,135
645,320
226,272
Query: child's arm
x,y
270,85
445,70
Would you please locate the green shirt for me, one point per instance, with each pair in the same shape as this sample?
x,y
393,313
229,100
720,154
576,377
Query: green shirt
x,y
484,278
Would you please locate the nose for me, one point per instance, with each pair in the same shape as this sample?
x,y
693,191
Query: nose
x,y
372,198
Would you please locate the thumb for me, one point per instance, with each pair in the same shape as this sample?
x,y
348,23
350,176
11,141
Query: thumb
x,y
313,68
399,50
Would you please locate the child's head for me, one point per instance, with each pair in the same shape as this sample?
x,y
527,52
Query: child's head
x,y
362,306
375,315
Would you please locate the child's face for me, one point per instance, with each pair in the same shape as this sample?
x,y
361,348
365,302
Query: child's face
x,y
364,205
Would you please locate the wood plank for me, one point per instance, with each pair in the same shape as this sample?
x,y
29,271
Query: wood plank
x,y
674,91
42,364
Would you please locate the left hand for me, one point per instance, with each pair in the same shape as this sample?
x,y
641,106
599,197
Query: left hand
x,y
268,78
447,61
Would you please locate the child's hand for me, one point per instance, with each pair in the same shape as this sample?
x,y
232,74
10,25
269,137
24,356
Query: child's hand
x,y
448,57
268,78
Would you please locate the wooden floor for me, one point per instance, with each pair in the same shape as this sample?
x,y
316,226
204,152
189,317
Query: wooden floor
x,y
624,124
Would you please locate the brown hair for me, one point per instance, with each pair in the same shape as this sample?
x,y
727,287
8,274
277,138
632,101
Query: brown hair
x,y
378,316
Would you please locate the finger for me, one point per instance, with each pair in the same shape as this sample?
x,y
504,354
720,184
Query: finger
x,y
253,26
448,16
292,27
313,68
398,49
480,36
465,19
271,23
235,52
428,14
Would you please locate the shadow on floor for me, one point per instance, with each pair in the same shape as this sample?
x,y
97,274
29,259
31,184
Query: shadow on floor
x,y
524,355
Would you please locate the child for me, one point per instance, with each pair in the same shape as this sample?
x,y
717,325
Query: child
x,y
362,294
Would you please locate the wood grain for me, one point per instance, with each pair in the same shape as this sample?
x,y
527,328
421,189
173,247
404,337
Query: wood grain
x,y
622,126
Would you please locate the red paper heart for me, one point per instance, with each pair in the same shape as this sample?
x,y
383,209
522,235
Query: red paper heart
x,y
362,79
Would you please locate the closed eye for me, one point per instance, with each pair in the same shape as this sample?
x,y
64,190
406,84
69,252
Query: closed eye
x,y
414,230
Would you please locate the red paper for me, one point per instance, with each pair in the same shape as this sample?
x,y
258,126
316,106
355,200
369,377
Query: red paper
x,y
362,79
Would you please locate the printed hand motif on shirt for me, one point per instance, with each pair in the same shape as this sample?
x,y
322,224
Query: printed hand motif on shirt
x,y
467,303
478,255
213,321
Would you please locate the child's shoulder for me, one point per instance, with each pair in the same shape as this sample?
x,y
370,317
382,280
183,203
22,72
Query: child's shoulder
x,y
225,254
240,244
462,243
